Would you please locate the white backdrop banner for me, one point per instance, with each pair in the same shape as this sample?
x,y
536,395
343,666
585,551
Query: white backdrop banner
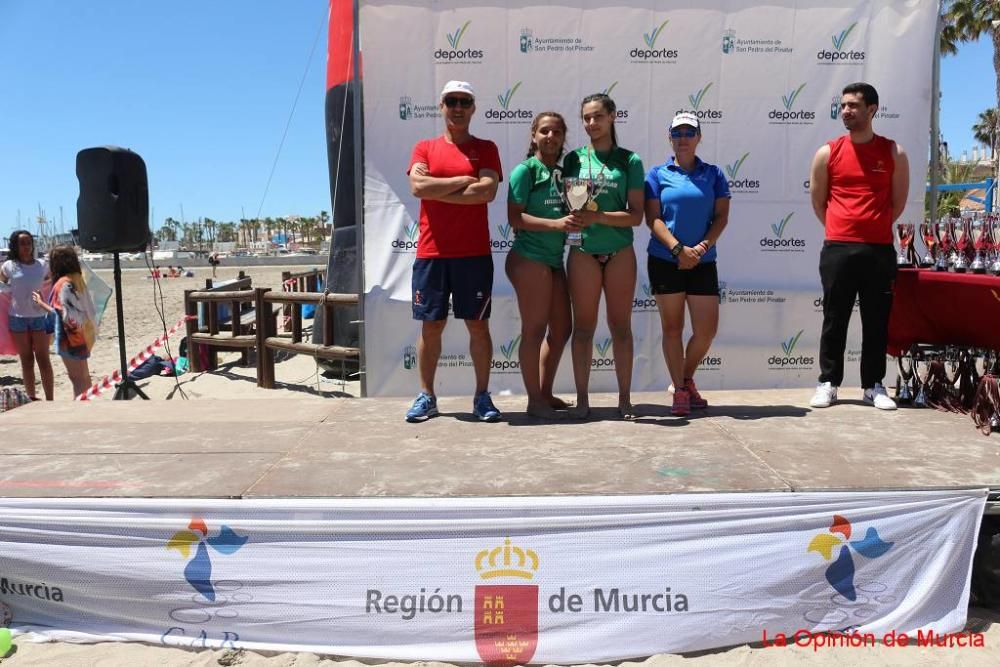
x,y
765,81
498,580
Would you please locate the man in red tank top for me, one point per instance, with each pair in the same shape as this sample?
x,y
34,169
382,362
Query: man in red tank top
x,y
858,184
455,176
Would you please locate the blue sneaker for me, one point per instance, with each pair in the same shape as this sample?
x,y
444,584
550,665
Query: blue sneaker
x,y
484,409
424,407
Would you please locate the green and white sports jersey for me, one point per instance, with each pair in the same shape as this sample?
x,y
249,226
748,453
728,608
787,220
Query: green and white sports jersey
x,y
615,173
531,185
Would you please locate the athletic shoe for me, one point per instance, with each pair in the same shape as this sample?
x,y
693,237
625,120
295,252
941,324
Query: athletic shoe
x,y
876,396
682,402
483,408
697,402
424,407
825,396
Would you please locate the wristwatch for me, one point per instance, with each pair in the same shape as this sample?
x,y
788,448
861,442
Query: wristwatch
x,y
677,249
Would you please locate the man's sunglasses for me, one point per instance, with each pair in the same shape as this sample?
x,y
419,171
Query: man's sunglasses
x,y
685,134
464,102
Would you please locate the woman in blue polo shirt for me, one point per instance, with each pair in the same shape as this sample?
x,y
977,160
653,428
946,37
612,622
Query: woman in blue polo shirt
x,y
687,207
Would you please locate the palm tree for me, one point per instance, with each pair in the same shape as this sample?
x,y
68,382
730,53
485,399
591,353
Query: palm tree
x,y
949,202
966,21
987,131
210,226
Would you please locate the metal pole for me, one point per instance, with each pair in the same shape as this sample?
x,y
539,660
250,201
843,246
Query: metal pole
x,y
359,186
936,119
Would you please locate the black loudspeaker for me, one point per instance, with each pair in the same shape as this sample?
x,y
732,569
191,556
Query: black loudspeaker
x,y
113,209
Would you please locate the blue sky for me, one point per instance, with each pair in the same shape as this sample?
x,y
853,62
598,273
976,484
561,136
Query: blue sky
x,y
967,88
203,91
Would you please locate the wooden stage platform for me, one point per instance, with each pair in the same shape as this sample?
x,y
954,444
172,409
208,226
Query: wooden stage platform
x,y
281,447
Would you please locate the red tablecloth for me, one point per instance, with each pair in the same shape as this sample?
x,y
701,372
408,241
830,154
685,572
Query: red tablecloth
x,y
944,309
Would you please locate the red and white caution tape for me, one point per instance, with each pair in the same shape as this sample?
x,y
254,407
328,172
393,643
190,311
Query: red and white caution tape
x,y
109,381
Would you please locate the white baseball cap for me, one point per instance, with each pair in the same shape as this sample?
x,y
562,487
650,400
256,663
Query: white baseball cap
x,y
685,118
458,87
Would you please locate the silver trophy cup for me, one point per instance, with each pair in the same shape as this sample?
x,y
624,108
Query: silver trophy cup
x,y
942,231
578,194
930,242
977,234
962,233
904,234
992,244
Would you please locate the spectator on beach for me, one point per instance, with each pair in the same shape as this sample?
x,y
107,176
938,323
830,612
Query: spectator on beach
x,y
605,261
535,262
455,176
687,207
76,316
214,260
171,272
28,323
859,183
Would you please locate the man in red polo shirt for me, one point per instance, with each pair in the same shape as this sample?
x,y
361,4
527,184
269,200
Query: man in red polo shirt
x,y
858,185
455,176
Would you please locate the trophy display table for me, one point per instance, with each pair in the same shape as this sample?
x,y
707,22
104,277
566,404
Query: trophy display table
x,y
940,308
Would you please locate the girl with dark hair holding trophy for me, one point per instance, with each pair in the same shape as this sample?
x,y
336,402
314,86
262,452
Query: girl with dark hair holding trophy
x,y
603,186
535,262
687,207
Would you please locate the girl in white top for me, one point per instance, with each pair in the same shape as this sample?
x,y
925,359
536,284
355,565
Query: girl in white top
x,y
27,321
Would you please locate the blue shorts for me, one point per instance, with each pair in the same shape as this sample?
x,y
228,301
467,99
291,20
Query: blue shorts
x,y
17,324
467,281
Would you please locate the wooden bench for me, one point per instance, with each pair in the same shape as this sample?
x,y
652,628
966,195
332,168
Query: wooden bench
x,y
268,339
240,322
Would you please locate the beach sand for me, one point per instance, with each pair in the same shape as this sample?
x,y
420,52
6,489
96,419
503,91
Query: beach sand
x,y
120,655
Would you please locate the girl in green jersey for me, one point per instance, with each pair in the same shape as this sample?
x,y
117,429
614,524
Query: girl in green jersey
x,y
535,262
605,261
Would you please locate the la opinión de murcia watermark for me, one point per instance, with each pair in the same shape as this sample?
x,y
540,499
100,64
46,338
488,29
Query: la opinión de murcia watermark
x,y
824,640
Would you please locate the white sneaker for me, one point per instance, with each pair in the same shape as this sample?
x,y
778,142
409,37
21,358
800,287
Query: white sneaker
x,y
876,396
825,396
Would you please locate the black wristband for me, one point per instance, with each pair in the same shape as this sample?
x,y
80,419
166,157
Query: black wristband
x,y
677,249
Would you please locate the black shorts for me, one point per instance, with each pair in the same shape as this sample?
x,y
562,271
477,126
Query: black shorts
x,y
666,278
467,281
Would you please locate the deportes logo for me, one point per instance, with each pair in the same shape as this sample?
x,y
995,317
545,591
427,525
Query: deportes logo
x,y
509,362
455,53
788,360
644,302
778,242
506,113
601,360
738,183
198,571
650,53
409,243
840,55
620,114
788,115
506,240
695,101
710,363
840,573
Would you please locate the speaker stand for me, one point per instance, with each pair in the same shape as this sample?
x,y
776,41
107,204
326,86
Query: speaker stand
x,y
127,389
